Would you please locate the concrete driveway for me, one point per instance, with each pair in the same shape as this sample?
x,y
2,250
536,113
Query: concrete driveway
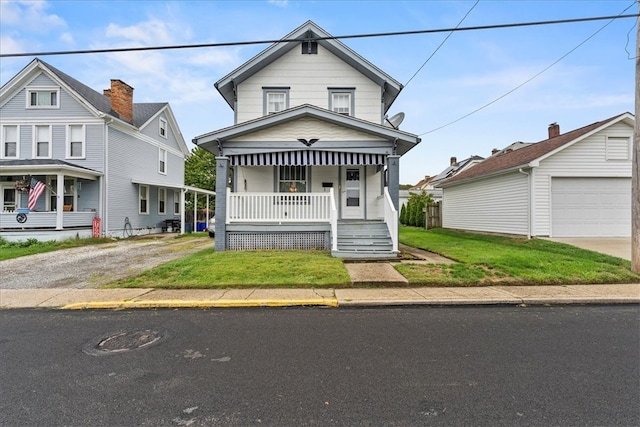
x,y
616,246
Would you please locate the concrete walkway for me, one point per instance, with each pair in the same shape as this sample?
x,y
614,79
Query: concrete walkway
x,y
361,297
615,246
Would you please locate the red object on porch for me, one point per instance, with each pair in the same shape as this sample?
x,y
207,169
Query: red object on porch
x,y
96,227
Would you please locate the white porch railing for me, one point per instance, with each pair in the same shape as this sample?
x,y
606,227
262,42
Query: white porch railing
x,y
278,207
46,220
391,219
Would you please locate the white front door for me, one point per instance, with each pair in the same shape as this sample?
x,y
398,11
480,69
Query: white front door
x,y
352,193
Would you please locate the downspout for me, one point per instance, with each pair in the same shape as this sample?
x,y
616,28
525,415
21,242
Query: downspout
x,y
528,202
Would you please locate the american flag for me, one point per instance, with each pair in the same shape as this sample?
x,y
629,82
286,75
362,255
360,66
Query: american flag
x,y
35,190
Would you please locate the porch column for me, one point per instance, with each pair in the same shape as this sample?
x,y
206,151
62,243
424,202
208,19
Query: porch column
x,y
393,171
59,201
222,172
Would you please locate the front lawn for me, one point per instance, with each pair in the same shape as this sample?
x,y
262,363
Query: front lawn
x,y
490,260
230,269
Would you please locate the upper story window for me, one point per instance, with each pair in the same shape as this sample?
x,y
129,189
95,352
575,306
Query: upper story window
x,y
75,142
162,161
275,100
42,142
163,128
10,147
341,101
43,98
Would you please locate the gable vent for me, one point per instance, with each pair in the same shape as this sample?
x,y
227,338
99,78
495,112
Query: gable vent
x,y
309,47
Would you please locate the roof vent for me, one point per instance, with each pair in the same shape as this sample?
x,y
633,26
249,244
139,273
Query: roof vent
x,y
309,47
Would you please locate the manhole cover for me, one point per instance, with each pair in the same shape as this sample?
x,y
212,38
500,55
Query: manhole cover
x,y
123,341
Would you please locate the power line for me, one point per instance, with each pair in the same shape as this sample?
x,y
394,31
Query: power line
x,y
352,36
443,42
531,78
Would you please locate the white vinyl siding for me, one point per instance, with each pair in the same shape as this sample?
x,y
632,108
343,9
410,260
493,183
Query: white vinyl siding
x,y
10,146
75,142
308,77
618,148
497,205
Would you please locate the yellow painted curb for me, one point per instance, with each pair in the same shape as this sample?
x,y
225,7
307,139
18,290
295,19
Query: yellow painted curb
x,y
326,302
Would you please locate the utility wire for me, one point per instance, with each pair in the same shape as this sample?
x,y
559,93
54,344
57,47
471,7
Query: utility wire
x,y
443,42
531,78
352,36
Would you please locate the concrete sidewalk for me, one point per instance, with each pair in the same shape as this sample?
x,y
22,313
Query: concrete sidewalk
x,y
361,297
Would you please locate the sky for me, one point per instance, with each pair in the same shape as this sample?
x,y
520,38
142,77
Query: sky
x,y
471,69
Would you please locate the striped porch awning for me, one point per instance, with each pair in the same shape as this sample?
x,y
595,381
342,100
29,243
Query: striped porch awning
x,y
307,158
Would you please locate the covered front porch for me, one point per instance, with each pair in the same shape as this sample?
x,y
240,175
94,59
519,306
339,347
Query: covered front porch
x,y
68,206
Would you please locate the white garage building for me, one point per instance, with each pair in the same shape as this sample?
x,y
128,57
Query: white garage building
x,y
576,184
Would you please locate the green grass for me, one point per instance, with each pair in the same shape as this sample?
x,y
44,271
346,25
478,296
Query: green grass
x,y
263,269
9,250
490,260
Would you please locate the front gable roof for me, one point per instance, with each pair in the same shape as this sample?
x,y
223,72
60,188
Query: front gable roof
x,y
213,140
308,31
532,154
93,100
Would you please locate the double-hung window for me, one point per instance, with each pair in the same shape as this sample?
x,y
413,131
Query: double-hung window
x,y
176,202
162,201
292,179
43,98
143,199
9,142
75,141
162,161
275,100
341,101
42,142
163,128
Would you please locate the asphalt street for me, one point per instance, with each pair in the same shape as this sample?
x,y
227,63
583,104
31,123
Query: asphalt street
x,y
498,366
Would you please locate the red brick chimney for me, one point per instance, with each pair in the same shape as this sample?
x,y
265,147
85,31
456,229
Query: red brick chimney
x,y
121,95
554,130
453,161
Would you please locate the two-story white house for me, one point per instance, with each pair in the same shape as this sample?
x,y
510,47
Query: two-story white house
x,y
100,155
312,160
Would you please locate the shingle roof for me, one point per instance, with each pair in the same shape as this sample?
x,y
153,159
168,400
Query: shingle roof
x,y
141,111
450,171
525,155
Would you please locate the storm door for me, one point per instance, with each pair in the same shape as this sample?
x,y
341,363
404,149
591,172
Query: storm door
x,y
352,193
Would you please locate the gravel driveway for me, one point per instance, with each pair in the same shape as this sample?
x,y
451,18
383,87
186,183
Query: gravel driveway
x,y
92,266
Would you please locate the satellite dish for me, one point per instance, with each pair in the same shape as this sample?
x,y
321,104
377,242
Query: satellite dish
x,y
395,120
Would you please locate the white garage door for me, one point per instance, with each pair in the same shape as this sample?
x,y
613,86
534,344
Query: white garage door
x,y
591,207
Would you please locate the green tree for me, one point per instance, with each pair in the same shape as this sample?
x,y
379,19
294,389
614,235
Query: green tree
x,y
416,206
200,171
403,214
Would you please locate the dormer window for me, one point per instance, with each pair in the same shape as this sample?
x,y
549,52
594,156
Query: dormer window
x,y
276,99
309,47
341,101
43,98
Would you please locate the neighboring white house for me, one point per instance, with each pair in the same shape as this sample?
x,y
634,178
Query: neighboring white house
x,y
100,155
313,164
576,184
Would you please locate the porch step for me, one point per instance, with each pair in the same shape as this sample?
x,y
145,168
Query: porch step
x,y
364,239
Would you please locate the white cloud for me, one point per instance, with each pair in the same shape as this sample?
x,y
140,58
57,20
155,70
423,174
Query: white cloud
x,y
150,32
29,15
11,45
279,3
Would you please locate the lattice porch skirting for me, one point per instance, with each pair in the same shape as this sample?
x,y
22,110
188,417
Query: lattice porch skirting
x,y
242,241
